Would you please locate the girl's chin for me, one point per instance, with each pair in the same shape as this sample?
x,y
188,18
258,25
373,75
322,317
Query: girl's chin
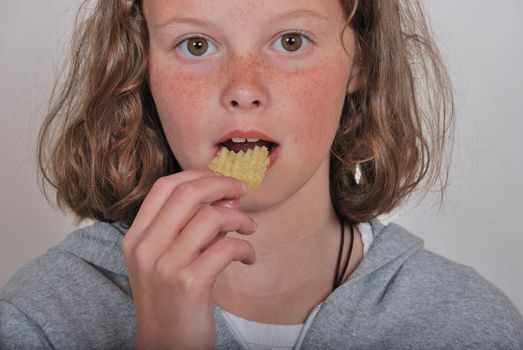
x,y
261,199
250,203
253,202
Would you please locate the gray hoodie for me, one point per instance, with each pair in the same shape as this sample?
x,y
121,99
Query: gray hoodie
x,y
401,296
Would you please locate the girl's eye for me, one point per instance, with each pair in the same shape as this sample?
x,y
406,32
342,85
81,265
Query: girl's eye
x,y
196,46
291,42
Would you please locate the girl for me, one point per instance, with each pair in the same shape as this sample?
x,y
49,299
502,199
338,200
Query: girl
x,y
355,107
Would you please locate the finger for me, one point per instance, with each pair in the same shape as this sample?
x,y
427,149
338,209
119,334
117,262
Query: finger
x,y
183,204
156,198
227,203
198,234
215,259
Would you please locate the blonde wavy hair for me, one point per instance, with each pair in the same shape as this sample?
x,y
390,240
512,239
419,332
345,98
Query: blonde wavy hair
x,y
101,146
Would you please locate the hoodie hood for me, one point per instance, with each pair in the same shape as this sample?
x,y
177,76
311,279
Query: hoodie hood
x,y
98,244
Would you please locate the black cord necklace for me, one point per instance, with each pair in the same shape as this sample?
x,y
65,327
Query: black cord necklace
x,y
338,278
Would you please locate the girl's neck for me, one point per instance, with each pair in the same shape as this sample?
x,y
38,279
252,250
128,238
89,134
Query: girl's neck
x,y
297,228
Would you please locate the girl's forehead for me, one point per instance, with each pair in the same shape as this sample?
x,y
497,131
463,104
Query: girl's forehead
x,y
160,12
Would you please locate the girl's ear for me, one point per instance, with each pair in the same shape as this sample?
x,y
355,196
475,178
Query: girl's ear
x,y
354,80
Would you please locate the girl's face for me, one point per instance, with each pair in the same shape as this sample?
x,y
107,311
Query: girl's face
x,y
276,70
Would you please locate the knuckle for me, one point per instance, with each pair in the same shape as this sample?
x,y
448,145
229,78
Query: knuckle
x,y
162,184
126,246
186,280
230,245
211,214
164,270
196,285
188,190
141,255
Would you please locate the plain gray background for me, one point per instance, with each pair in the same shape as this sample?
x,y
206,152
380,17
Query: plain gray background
x,y
479,224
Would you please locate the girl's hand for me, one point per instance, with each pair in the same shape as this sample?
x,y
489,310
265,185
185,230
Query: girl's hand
x,y
174,251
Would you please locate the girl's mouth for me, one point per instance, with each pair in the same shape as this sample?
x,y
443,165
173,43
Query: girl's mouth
x,y
237,144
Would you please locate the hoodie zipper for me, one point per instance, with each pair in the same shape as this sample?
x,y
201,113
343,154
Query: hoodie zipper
x,y
306,326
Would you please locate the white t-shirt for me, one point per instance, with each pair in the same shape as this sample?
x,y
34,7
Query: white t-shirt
x,y
263,336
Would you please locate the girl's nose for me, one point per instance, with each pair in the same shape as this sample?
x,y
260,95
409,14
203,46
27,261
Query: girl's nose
x,y
245,89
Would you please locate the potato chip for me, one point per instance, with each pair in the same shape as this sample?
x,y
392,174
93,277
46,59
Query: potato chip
x,y
250,166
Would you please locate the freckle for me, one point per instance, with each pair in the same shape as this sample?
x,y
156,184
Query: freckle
x,y
195,86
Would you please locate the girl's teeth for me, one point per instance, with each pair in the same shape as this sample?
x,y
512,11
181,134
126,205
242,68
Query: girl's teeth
x,y
241,139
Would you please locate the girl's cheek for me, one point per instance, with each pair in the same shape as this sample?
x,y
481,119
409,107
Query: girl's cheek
x,y
317,95
175,90
176,99
186,92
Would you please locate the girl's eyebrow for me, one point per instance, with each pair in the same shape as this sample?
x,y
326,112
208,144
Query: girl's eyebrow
x,y
175,20
295,14
301,14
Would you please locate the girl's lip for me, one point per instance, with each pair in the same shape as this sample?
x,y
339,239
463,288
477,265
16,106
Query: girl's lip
x,y
245,134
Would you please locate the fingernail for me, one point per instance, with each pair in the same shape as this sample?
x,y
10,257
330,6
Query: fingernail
x,y
244,186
